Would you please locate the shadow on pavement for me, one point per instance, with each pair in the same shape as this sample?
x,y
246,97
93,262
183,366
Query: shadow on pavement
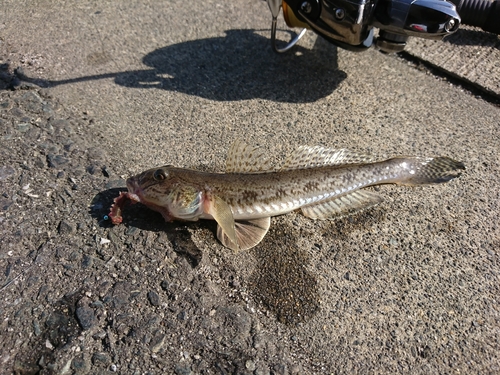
x,y
239,66
467,37
138,216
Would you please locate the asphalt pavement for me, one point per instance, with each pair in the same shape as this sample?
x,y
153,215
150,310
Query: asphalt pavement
x,y
93,92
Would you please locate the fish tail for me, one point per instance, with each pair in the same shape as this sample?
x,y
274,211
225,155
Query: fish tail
x,y
433,171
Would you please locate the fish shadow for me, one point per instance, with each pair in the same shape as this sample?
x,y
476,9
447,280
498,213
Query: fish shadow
x,y
137,216
238,66
281,280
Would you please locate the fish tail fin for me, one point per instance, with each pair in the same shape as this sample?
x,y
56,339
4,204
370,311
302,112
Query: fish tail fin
x,y
433,171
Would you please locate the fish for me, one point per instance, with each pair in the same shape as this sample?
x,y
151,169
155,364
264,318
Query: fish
x,y
322,182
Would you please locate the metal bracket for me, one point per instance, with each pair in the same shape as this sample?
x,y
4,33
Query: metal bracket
x,y
274,6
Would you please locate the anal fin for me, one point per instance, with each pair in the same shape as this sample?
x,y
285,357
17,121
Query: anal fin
x,y
343,205
248,233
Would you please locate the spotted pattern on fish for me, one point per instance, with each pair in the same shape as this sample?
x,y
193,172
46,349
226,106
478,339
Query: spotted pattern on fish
x,y
322,182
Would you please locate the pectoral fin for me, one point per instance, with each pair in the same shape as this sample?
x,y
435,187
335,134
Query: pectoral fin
x,y
248,233
344,205
222,213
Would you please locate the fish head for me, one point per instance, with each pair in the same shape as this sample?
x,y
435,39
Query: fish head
x,y
164,190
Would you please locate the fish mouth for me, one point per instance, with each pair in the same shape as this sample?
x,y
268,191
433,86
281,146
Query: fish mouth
x,y
134,191
133,195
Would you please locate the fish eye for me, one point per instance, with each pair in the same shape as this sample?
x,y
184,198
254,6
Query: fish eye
x,y
159,175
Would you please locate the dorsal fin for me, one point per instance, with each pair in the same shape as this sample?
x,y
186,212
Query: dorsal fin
x,y
317,156
242,158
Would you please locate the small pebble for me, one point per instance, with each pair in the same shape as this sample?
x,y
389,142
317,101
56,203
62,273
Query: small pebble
x,y
183,369
6,172
250,365
36,328
104,241
49,345
164,285
66,227
100,357
154,298
23,127
86,317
